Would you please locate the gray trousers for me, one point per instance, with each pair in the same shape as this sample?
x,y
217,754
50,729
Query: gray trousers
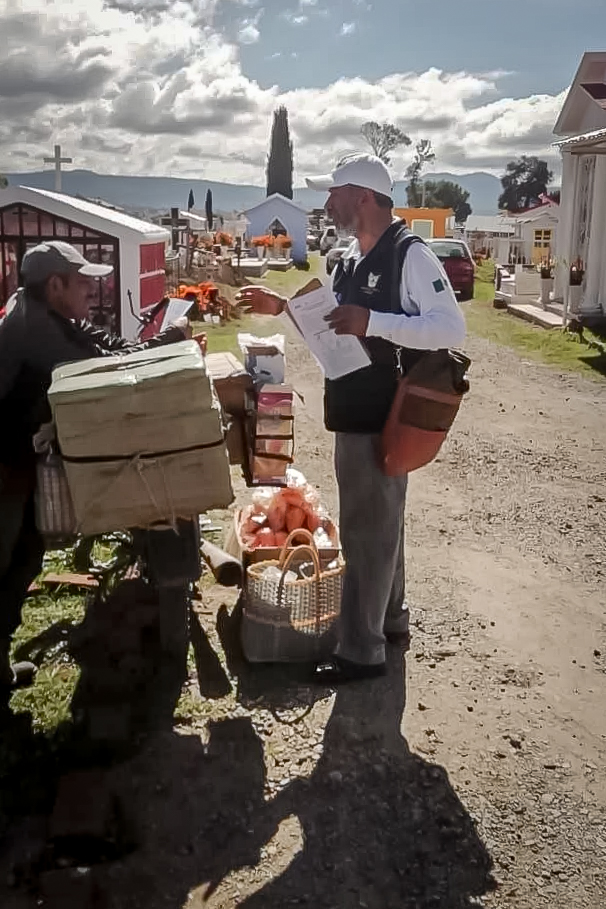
x,y
371,522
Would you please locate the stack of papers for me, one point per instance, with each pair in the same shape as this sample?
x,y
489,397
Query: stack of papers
x,y
337,355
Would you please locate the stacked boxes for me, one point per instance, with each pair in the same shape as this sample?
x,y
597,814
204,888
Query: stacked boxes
x,y
270,420
142,438
272,436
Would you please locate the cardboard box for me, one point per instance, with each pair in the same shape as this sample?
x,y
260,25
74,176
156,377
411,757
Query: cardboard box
x,y
141,437
111,495
157,400
231,382
235,440
264,357
275,401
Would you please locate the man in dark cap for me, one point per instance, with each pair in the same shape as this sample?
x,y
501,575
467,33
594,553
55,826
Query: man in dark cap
x,y
48,326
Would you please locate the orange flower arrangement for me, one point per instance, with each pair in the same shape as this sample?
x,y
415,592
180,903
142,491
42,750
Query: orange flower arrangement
x,y
262,241
224,239
202,294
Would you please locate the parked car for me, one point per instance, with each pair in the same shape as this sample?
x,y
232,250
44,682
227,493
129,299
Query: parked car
x,y
458,264
313,241
328,239
333,255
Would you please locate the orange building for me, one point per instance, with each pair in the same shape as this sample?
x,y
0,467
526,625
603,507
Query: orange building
x,y
428,222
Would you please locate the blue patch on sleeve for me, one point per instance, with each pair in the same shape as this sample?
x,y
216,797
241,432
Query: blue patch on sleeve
x,y
438,286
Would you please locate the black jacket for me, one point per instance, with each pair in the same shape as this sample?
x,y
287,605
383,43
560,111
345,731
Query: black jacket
x,y
360,401
33,341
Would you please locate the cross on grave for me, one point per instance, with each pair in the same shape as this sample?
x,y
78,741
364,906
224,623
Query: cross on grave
x,y
176,224
57,160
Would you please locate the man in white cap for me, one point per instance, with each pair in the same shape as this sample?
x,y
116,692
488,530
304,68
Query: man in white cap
x,y
47,326
393,293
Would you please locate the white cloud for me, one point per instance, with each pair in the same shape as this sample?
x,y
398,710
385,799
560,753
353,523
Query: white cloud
x,y
348,28
132,86
294,17
249,33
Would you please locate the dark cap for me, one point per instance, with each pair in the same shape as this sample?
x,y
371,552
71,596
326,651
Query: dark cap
x,y
58,258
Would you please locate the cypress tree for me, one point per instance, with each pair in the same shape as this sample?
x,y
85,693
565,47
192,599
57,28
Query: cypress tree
x,y
280,160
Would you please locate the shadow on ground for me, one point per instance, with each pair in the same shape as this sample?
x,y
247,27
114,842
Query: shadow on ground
x,y
378,826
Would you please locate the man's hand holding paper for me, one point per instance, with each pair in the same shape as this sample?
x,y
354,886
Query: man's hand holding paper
x,y
349,320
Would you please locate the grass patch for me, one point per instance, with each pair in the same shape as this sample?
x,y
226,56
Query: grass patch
x,y
48,700
554,347
225,337
484,282
288,282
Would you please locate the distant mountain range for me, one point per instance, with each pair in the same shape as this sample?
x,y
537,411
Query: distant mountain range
x,y
150,194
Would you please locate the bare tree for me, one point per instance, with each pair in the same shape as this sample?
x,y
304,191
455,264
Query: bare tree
x,y
424,154
383,138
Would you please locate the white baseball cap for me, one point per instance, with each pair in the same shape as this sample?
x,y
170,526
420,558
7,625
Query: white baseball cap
x,y
360,169
58,258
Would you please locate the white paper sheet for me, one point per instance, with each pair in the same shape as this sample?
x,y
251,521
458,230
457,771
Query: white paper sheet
x,y
175,310
337,355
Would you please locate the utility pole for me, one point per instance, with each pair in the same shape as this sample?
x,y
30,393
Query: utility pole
x,y
57,160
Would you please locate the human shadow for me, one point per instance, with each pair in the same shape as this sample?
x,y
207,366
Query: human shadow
x,y
382,827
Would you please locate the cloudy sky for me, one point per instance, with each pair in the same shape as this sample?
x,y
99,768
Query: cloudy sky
x,y
187,87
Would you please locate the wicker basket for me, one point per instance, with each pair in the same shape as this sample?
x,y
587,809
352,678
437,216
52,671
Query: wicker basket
x,y
291,621
55,516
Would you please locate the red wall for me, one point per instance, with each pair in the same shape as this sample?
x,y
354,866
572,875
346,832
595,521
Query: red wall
x,y
151,285
152,289
152,257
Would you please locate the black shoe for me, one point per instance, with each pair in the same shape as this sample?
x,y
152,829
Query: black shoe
x,y
398,639
338,670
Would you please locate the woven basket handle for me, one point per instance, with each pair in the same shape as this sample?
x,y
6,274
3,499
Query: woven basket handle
x,y
313,552
307,536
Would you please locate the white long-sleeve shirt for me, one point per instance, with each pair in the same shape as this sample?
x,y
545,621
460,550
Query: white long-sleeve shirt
x,y
431,317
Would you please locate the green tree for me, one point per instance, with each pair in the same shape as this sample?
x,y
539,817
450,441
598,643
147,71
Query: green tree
x,y
280,160
445,194
525,180
383,138
208,207
3,181
424,154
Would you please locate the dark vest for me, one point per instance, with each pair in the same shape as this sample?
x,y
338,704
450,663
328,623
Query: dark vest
x,y
360,402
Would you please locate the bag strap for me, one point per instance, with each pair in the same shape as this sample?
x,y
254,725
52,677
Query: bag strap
x,y
403,242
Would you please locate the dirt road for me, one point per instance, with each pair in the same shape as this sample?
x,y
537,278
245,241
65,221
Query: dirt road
x,y
474,773
506,676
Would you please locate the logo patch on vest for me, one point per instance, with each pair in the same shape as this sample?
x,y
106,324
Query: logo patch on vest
x,y
438,286
373,280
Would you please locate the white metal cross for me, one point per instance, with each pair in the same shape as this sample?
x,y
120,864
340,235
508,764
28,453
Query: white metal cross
x,y
57,160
